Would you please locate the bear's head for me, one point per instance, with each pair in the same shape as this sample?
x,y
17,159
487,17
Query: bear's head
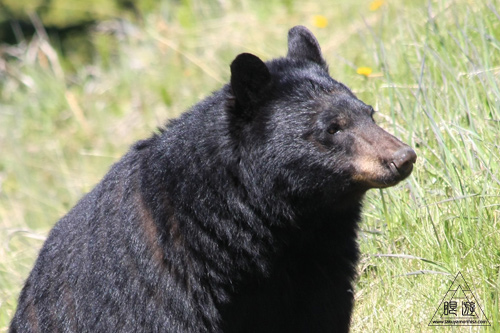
x,y
304,133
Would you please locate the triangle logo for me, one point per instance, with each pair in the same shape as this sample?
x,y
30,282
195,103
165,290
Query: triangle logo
x,y
459,307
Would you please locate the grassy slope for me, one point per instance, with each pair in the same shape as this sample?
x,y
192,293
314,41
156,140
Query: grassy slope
x,y
435,83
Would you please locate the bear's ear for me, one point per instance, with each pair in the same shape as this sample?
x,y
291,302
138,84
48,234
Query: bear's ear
x,y
303,45
249,77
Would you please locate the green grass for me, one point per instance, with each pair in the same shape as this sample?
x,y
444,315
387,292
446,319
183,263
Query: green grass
x,y
435,83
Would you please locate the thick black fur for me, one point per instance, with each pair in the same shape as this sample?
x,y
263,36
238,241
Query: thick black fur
x,y
241,216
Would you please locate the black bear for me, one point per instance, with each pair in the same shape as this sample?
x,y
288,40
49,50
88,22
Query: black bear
x,y
240,216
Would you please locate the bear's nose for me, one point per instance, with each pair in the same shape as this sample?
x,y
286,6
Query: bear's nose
x,y
403,160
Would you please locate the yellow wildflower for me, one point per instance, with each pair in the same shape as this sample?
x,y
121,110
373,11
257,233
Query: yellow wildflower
x,y
320,21
376,4
366,71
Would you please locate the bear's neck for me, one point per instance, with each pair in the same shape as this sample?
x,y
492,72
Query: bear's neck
x,y
225,232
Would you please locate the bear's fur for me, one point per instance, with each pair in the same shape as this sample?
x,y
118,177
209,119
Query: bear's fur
x,y
241,216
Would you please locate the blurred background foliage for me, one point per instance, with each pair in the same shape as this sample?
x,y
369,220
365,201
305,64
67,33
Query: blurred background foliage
x,y
68,22
61,15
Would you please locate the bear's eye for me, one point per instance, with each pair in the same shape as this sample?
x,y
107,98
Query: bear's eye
x,y
333,128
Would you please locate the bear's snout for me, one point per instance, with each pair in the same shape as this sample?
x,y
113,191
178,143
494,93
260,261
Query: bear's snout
x,y
402,162
380,159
